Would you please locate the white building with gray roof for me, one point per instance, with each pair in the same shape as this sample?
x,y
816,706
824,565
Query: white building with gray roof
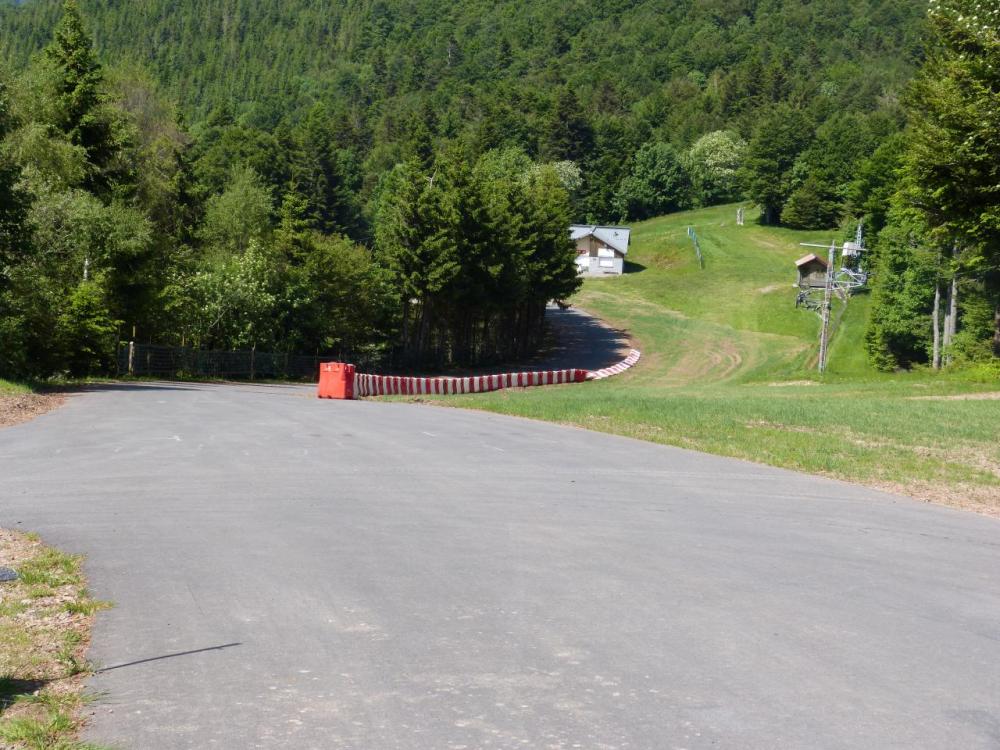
x,y
600,250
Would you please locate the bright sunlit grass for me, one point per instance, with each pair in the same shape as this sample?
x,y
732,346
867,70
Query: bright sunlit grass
x,y
729,367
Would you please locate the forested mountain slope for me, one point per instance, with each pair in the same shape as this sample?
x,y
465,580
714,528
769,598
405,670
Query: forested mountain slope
x,y
584,81
729,56
228,172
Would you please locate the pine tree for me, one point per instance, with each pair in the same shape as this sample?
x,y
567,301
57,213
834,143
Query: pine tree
x,y
325,175
567,135
13,200
777,140
77,81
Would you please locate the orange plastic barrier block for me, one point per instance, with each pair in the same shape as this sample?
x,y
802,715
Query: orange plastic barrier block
x,y
336,380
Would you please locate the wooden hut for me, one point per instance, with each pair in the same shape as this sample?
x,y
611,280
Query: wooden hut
x,y
812,271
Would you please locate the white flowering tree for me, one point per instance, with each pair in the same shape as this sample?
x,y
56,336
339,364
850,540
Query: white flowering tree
x,y
713,162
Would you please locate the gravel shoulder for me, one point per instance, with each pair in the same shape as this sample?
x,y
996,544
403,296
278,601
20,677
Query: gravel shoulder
x,y
21,407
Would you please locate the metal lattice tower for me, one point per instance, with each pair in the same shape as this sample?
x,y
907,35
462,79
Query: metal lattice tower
x,y
842,281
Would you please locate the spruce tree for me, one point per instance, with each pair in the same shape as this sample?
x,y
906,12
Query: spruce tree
x,y
77,79
13,200
567,135
777,140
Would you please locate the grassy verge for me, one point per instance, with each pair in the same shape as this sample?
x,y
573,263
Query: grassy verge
x,y
729,368
11,388
45,621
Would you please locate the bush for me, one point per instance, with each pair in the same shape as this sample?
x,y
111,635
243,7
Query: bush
x,y
658,183
86,332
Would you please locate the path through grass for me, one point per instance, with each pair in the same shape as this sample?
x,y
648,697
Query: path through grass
x,y
728,368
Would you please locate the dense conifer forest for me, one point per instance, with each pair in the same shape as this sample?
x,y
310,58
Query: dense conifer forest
x,y
396,176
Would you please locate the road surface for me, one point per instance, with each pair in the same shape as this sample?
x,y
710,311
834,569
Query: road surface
x,y
295,573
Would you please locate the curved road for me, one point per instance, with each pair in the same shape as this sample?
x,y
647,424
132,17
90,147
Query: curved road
x,y
294,573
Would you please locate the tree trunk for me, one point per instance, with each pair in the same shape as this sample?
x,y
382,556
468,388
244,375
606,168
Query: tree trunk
x,y
935,323
951,319
996,330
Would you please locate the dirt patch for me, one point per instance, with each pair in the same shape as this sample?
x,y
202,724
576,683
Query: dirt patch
x,y
976,498
21,407
717,360
986,396
771,288
756,423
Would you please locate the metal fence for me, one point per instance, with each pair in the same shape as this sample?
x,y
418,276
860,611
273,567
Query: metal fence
x,y
697,246
178,361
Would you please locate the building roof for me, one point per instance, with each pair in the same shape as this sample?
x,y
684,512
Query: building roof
x,y
616,238
806,259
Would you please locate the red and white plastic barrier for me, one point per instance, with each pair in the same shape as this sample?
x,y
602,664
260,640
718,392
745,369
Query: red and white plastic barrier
x,y
607,372
341,381
393,385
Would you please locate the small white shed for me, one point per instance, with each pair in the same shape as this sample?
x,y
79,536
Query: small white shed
x,y
600,251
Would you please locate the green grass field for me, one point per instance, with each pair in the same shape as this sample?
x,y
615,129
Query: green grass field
x,y
729,367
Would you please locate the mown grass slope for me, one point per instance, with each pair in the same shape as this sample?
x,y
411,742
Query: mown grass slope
x,y
729,367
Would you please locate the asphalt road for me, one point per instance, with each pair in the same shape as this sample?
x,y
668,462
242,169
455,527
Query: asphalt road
x,y
296,573
581,341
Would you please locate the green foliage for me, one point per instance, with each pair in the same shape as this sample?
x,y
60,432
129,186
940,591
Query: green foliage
x,y
812,205
230,300
899,331
453,137
566,133
475,252
86,332
343,301
778,139
657,183
241,213
72,78
949,172
713,162
323,172
974,343
14,202
589,83
870,192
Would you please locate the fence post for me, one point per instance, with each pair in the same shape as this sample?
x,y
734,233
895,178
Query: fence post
x,y
131,358
253,358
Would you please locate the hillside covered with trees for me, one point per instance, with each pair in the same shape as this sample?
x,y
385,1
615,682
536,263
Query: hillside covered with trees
x,y
590,82
389,175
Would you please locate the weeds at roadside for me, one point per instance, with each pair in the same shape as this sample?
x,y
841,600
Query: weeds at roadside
x,y
45,621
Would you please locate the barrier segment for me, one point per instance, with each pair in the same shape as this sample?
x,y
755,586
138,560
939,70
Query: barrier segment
x,y
622,366
339,380
392,385
336,380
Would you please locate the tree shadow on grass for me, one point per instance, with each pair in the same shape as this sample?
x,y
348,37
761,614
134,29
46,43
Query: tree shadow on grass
x,y
12,688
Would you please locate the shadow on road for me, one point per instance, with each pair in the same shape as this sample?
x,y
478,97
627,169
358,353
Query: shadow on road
x,y
151,386
581,340
168,656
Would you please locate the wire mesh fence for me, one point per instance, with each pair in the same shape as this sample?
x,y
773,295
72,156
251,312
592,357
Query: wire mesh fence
x,y
697,246
178,361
